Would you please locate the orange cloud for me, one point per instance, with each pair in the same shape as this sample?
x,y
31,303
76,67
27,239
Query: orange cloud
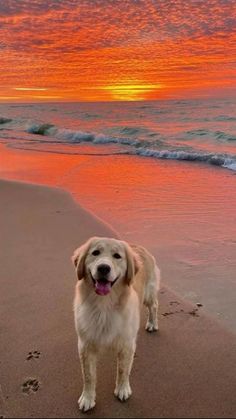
x,y
125,50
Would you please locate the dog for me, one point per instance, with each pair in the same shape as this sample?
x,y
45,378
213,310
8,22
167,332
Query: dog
x,y
114,279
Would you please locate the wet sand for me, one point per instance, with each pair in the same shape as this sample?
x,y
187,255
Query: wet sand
x,y
182,212
188,369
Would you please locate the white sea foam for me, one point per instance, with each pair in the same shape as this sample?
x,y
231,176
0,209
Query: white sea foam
x,y
230,164
210,158
183,133
136,147
74,136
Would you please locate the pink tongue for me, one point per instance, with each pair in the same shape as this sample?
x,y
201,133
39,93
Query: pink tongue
x,y
102,288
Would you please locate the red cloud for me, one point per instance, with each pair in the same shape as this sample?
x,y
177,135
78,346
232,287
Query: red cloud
x,y
77,49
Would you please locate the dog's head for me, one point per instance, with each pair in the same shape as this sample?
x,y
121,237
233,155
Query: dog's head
x,y
105,262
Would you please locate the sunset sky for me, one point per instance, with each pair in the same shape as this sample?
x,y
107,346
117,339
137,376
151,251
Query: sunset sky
x,y
98,50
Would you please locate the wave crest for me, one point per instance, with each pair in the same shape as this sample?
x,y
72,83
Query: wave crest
x,y
139,148
4,120
40,129
210,158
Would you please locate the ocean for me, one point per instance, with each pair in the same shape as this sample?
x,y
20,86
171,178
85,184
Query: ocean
x,y
191,130
161,173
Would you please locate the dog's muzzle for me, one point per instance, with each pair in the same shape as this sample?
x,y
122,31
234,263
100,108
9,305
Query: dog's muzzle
x,y
101,283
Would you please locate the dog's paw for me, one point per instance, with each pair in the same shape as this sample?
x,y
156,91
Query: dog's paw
x,y
123,392
150,327
86,402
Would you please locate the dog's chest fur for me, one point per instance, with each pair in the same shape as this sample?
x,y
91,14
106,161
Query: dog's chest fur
x,y
98,320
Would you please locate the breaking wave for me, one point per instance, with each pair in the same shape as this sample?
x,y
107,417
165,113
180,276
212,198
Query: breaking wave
x,y
128,138
72,136
40,129
5,120
138,148
210,158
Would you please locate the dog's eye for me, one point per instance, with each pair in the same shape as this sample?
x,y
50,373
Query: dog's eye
x,y
117,256
96,252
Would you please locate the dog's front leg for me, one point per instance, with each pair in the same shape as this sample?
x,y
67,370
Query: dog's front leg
x,y
124,364
88,361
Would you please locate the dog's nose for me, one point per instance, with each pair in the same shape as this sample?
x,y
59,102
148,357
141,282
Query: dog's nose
x,y
103,269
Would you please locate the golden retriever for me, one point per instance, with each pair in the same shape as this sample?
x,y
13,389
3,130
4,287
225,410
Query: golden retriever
x,y
115,278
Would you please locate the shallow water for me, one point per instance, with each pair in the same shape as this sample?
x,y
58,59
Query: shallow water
x,y
183,213
192,130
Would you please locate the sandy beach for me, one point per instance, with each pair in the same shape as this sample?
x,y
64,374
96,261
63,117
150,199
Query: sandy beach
x,y
187,370
118,119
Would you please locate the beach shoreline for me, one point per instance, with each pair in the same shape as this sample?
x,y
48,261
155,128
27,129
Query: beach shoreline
x,y
40,228
118,122
183,213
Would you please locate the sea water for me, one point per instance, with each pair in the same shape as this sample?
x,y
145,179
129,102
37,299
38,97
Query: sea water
x,y
192,130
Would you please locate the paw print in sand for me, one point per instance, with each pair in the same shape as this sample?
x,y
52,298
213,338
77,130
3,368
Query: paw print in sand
x,y
33,355
30,386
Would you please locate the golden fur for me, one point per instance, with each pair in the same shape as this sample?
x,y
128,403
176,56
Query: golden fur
x,y
114,280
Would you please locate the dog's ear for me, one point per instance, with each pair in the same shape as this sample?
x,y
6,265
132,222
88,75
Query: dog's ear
x,y
132,264
79,257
